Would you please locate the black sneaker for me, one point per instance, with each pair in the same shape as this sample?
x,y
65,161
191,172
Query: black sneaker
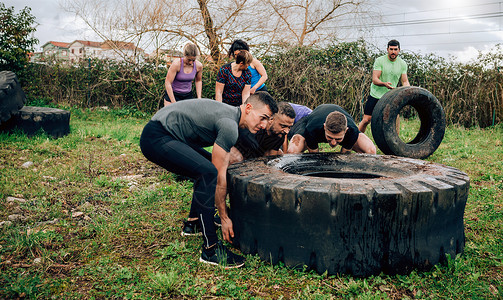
x,y
221,256
191,228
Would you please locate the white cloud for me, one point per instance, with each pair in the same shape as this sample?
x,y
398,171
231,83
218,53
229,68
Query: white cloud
x,y
54,23
449,28
466,55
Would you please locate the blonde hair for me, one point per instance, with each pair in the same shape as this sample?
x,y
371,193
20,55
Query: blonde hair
x,y
190,50
244,56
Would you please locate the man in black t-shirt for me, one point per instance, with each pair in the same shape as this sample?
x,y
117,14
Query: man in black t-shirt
x,y
269,141
331,124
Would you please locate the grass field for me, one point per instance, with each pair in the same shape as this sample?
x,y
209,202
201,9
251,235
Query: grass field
x,y
92,218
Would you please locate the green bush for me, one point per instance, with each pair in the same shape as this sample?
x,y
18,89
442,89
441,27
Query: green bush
x,y
339,74
471,94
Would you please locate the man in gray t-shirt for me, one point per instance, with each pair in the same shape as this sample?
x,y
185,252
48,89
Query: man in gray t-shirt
x,y
201,123
174,139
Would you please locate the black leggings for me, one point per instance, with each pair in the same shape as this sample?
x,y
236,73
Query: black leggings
x,y
161,148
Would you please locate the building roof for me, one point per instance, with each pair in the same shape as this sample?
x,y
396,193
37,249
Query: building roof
x,y
109,44
88,43
57,44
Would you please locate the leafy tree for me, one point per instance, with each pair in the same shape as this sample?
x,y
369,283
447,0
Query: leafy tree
x,y
16,38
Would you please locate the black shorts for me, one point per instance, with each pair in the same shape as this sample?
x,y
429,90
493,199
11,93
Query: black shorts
x,y
179,96
369,105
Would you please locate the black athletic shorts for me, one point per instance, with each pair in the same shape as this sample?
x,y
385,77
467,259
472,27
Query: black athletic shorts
x,y
179,96
369,105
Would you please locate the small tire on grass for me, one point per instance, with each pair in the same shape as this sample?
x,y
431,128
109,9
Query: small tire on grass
x,y
12,97
431,115
348,213
30,119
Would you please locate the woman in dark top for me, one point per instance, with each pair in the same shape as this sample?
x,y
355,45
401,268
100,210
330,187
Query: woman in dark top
x,y
259,74
234,79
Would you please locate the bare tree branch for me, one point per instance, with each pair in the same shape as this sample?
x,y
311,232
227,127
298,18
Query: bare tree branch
x,y
309,21
213,24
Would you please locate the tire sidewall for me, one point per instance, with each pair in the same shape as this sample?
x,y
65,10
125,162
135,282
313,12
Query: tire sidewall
x,y
408,219
431,115
12,97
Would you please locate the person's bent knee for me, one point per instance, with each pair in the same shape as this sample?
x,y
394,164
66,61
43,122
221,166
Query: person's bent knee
x,y
366,119
370,148
207,170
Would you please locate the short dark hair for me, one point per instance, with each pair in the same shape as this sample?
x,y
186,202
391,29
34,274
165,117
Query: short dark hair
x,y
394,43
238,45
336,122
263,98
284,108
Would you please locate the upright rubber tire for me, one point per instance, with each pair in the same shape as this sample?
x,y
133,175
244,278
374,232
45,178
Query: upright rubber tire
x,y
348,213
12,97
431,115
31,119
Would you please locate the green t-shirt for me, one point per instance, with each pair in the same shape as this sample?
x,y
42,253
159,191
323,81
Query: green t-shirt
x,y
391,71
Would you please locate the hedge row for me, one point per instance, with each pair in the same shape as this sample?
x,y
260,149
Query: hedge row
x,y
470,93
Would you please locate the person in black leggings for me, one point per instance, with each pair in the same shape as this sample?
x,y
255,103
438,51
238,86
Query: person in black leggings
x,y
174,139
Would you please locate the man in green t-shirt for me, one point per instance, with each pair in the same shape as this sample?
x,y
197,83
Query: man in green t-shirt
x,y
388,70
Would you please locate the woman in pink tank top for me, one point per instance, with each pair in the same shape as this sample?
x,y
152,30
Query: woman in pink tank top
x,y
182,72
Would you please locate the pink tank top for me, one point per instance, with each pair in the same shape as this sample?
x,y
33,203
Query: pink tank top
x,y
183,82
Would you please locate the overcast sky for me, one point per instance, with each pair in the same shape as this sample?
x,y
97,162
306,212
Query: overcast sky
x,y
446,27
459,28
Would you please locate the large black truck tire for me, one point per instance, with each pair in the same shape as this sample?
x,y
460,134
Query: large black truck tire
x,y
348,213
430,112
12,97
31,119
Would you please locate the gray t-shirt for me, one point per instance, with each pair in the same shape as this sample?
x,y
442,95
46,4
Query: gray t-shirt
x,y
201,122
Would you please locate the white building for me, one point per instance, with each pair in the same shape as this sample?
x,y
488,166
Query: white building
x,y
121,51
79,50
